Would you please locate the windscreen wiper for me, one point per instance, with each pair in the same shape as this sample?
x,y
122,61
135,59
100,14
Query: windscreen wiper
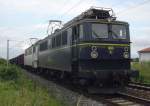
x,y
114,34
96,35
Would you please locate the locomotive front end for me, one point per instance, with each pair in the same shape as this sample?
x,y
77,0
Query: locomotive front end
x,y
104,57
101,51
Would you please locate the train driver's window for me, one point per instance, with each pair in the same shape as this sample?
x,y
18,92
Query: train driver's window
x,y
75,33
81,32
69,35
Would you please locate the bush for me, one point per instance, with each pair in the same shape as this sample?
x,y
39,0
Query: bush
x,y
16,89
9,73
2,62
144,70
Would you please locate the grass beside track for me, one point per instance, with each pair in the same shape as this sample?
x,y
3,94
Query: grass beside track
x,y
144,70
17,90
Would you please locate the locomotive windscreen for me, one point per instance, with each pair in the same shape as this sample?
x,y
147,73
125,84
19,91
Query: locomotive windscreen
x,y
118,31
102,31
99,30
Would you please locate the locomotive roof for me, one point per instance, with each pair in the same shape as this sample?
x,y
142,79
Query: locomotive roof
x,y
94,13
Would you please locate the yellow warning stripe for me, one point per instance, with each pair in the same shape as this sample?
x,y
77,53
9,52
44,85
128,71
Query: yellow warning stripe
x,y
102,44
90,44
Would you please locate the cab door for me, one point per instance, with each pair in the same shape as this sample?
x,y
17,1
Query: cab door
x,y
35,56
74,49
75,36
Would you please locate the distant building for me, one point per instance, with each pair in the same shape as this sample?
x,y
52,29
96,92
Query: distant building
x,y
144,55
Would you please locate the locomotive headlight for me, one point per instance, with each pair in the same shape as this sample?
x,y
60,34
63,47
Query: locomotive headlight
x,y
126,49
126,55
94,48
94,54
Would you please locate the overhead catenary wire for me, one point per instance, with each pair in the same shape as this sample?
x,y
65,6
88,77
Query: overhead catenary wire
x,y
70,9
18,44
117,4
66,12
58,9
64,4
133,7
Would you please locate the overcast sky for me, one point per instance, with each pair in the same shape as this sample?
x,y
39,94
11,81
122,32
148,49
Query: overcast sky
x,y
24,19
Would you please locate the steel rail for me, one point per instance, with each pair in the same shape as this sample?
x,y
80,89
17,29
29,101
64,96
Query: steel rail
x,y
139,86
143,101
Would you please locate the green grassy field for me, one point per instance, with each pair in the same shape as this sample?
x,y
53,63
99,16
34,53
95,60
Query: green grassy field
x,y
144,70
17,90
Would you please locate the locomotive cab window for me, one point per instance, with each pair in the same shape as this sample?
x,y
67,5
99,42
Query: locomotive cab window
x,y
69,35
119,31
81,32
28,51
75,33
99,30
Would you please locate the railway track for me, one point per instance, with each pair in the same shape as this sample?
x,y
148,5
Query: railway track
x,y
120,99
139,86
135,99
142,84
138,90
127,97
